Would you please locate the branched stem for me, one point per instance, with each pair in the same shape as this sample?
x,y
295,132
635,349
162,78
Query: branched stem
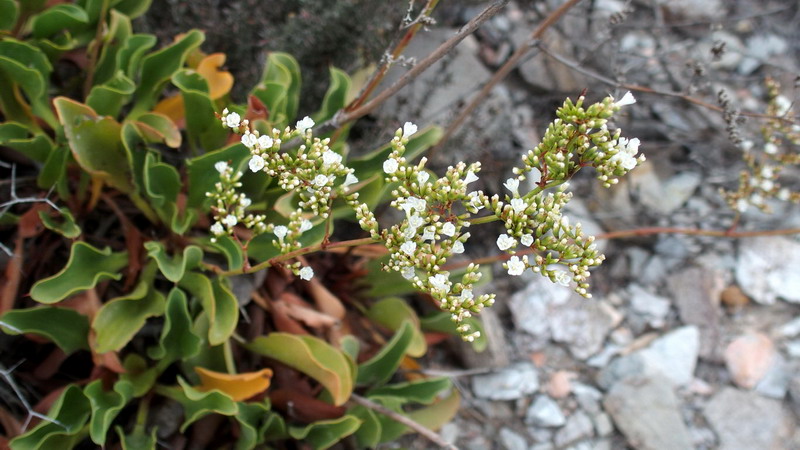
x,y
405,420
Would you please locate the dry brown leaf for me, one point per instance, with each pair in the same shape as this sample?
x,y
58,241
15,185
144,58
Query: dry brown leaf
x,y
238,386
310,317
325,300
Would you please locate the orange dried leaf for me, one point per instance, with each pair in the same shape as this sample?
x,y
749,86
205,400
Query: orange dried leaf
x,y
240,386
219,81
172,107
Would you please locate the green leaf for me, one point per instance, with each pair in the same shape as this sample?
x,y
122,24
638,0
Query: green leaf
x,y
385,284
202,127
369,433
106,405
109,98
372,163
130,56
57,18
279,89
419,391
390,428
231,249
197,404
391,313
138,440
178,341
54,168
86,267
437,415
336,96
218,302
203,176
138,374
158,67
66,328
384,364
175,267
96,144
28,67
112,41
133,8
68,228
71,411
323,434
121,318
162,184
442,323
9,11
160,127
253,421
312,356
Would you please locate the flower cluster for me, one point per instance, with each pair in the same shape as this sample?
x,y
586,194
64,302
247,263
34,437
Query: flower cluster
x,y
229,205
765,163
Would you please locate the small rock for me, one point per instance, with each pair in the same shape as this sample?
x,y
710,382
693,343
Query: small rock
x,y
696,293
791,328
767,269
533,304
733,298
647,412
729,58
578,427
652,307
794,393
694,10
748,359
588,397
745,420
545,412
793,348
775,383
582,325
560,384
509,383
512,440
700,387
603,425
449,432
759,48
672,356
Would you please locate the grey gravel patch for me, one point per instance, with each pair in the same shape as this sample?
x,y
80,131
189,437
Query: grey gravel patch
x,y
746,420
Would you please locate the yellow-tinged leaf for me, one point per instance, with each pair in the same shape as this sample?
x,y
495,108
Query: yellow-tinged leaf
x,y
171,107
220,82
239,387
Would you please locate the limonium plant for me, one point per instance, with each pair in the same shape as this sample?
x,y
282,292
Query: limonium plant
x,y
439,211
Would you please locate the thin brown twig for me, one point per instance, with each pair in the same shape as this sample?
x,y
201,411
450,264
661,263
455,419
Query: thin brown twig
x,y
502,72
397,417
635,87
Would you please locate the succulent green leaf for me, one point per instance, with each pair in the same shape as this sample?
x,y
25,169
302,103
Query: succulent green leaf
x,y
70,412
350,346
121,318
202,127
384,284
67,228
419,391
174,268
279,89
106,405
57,18
133,8
384,364
66,328
138,440
54,168
442,323
108,99
96,143
158,67
218,302
369,433
138,374
438,414
197,404
391,313
178,341
27,66
129,58
323,434
312,356
16,135
231,249
203,176
252,418
119,30
390,428
85,267
9,11
336,96
160,127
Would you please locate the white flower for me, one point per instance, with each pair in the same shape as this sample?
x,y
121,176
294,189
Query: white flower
x,y
783,105
415,221
770,148
515,266
512,184
458,247
280,231
505,242
350,179
231,120
518,205
422,177
306,273
562,277
320,180
756,199
305,124
230,221
626,153
440,282
767,184
475,199
408,273
409,247
217,229
221,166
244,201
466,295
305,225
249,140
448,229
409,129
330,157
526,240
256,163
742,205
626,100
784,194
265,142
470,177
746,145
429,234
390,166
631,146
766,172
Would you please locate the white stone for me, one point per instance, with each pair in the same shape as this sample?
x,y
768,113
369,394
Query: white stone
x,y
651,306
767,269
512,440
545,412
509,383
